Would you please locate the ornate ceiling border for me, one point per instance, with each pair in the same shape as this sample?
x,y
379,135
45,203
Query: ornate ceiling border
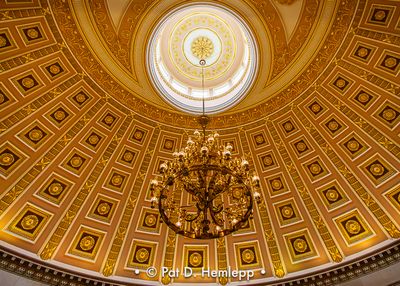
x,y
40,271
338,33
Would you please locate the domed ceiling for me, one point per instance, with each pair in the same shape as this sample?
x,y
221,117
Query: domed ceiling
x,y
202,51
84,126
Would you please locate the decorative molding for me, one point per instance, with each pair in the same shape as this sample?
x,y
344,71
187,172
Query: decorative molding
x,y
40,271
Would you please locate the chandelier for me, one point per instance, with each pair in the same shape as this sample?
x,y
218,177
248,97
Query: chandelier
x,y
204,192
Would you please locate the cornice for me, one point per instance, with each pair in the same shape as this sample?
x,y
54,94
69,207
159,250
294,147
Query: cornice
x,y
40,271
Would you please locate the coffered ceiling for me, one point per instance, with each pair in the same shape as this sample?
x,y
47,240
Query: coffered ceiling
x,y
83,130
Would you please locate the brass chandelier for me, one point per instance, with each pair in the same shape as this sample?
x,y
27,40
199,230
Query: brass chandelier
x,y
204,192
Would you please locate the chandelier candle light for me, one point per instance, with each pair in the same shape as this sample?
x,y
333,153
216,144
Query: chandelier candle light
x,y
222,188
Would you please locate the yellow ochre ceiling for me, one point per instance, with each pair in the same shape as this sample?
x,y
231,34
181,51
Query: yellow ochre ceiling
x,y
83,131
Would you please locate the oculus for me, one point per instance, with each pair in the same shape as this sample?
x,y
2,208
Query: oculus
x,y
207,32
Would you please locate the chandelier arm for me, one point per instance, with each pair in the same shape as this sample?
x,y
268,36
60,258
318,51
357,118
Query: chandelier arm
x,y
212,180
221,191
211,187
226,188
202,180
193,218
243,220
215,220
190,188
217,209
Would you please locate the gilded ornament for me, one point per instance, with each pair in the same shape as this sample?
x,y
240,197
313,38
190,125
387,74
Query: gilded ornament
x,y
3,41
150,220
237,193
259,139
377,169
117,180
315,107
80,98
300,245
195,259
202,48
362,52
48,251
380,15
32,33
59,115
2,98
248,256
55,189
87,243
6,159
109,267
93,139
279,272
392,230
288,126
103,208
35,134
138,135
390,62
28,82
166,280
340,83
54,69
109,119
128,156
333,125
76,161
29,222
335,254
315,168
353,145
287,211
267,160
276,184
353,226
301,146
363,97
223,280
332,195
389,114
168,144
142,255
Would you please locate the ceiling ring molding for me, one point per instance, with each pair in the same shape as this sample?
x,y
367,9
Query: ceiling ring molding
x,y
230,55
39,271
152,104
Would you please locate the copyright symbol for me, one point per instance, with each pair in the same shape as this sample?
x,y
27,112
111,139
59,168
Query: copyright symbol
x,y
151,272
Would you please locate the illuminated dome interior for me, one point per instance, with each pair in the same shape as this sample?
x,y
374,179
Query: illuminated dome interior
x,y
192,33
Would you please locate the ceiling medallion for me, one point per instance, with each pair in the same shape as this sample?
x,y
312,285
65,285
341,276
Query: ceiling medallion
x,y
55,189
29,222
202,47
6,159
203,192
87,243
202,31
